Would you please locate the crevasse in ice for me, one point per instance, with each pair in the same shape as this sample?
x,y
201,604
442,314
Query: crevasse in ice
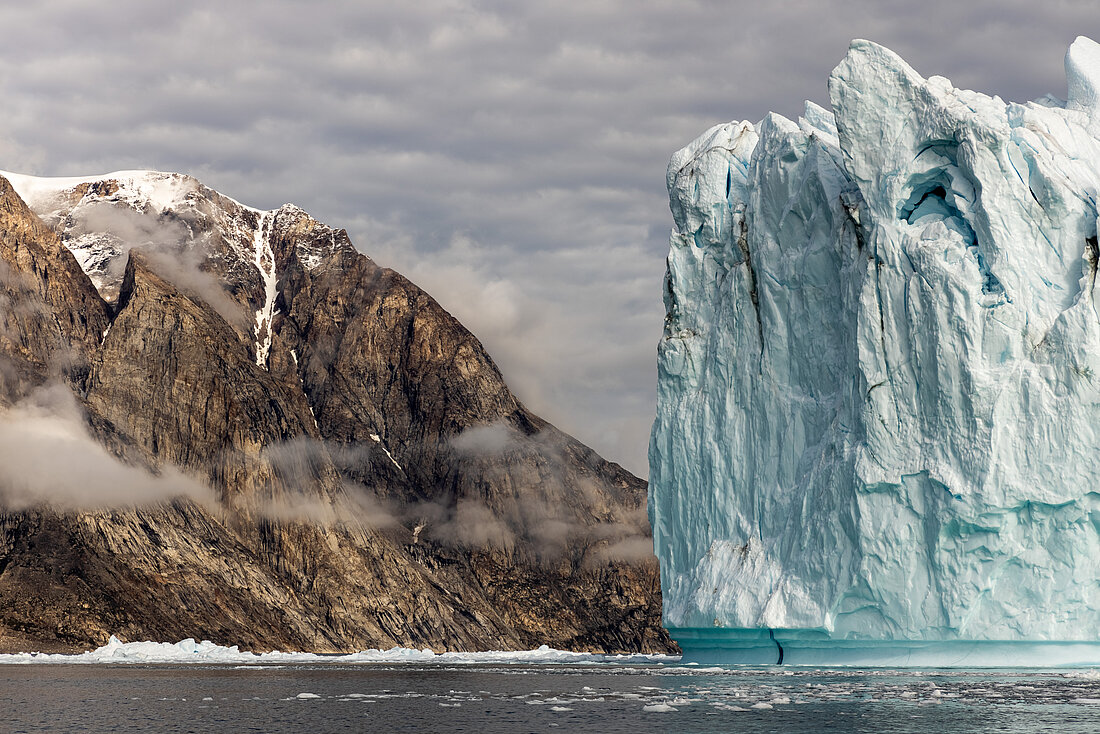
x,y
879,383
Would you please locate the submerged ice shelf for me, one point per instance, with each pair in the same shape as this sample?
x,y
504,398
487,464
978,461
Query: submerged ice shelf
x,y
879,385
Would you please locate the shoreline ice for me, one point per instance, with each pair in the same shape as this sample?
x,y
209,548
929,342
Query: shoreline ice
x,y
206,652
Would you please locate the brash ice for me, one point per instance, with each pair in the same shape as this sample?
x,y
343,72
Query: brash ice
x,y
879,384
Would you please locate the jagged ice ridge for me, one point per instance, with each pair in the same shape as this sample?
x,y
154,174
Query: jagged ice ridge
x,y
879,382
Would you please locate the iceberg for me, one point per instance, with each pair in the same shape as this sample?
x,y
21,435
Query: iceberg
x,y
878,421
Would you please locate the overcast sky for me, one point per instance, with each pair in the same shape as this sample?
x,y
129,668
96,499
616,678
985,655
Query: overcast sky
x,y
509,157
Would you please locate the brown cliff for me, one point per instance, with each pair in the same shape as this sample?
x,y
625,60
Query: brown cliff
x,y
347,470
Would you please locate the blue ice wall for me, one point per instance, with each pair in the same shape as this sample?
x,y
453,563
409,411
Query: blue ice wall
x,y
879,383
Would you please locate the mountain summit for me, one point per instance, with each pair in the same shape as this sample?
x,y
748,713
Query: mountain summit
x,y
227,423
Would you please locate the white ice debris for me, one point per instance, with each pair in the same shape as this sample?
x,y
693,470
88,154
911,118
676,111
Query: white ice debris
x,y
265,264
660,708
189,651
879,383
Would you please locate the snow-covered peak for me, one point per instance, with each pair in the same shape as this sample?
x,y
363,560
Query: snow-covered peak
x,y
142,190
101,217
231,255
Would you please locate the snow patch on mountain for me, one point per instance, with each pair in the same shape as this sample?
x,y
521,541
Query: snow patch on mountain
x,y
265,263
192,229
141,189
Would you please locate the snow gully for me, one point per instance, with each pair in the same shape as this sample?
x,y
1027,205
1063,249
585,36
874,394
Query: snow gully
x,y
265,264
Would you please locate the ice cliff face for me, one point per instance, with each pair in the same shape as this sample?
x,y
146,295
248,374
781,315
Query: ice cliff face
x,y
879,384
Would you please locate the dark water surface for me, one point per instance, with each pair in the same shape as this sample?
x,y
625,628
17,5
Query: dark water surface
x,y
539,698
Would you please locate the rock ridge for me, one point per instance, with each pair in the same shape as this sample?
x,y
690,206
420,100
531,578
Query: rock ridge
x,y
311,454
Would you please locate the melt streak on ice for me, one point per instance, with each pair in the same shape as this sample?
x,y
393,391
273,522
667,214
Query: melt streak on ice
x,y
879,383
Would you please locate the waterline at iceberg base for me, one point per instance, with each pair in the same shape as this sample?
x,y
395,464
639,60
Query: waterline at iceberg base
x,y
817,648
878,410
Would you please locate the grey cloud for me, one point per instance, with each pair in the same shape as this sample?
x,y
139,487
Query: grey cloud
x,y
473,525
48,457
533,516
537,130
493,439
537,514
353,508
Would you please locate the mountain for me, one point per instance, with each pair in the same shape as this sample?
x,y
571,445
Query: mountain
x,y
878,394
229,424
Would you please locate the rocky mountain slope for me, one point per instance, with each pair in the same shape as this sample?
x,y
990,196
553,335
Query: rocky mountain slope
x,y
227,423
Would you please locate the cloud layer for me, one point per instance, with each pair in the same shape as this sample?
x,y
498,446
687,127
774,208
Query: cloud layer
x,y
525,513
48,456
507,156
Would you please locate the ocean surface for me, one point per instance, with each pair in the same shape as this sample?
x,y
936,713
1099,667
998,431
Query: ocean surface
x,y
537,697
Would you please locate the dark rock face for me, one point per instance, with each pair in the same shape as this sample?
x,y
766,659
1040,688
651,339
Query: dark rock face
x,y
50,315
350,469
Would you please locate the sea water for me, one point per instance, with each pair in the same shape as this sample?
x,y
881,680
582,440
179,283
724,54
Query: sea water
x,y
539,697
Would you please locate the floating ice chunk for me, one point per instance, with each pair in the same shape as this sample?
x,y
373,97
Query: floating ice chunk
x,y
658,708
